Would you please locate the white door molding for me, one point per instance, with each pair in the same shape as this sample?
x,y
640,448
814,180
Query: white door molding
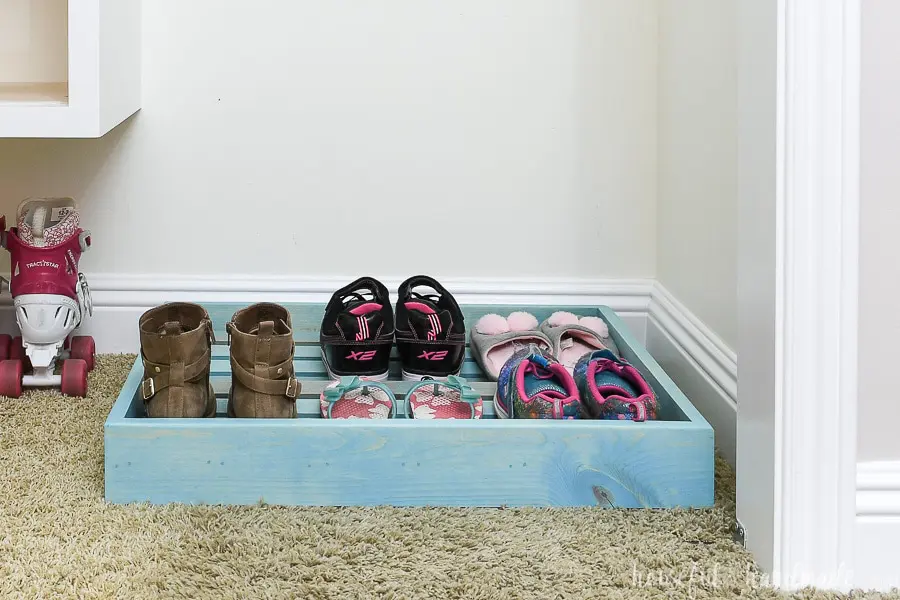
x,y
809,401
818,206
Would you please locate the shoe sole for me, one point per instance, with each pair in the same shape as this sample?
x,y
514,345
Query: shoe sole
x,y
499,411
407,376
335,377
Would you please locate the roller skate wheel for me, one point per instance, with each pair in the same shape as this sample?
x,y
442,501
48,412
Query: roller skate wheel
x,y
5,345
82,347
74,378
11,378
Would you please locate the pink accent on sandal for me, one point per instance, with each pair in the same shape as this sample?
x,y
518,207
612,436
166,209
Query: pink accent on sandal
x,y
419,306
364,309
447,404
356,405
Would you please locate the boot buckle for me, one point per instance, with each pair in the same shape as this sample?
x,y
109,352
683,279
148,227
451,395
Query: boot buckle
x,y
148,391
291,391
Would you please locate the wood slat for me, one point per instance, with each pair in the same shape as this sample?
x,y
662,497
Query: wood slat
x,y
308,406
307,318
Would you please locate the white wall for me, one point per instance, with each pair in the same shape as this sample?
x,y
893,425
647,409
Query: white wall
x,y
879,282
510,137
697,153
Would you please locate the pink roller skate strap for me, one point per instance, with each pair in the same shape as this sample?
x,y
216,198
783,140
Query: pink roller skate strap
x,y
355,398
45,270
453,399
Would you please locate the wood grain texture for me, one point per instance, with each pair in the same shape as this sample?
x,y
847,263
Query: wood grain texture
x,y
490,463
405,462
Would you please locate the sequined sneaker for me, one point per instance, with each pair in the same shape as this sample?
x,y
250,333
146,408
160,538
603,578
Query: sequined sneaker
x,y
534,385
611,388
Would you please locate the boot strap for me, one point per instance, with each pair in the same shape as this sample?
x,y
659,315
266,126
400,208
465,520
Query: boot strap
x,y
152,385
210,332
289,387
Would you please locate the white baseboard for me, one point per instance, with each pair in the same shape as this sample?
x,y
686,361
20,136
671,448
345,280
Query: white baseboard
x,y
875,553
699,362
877,531
878,489
119,300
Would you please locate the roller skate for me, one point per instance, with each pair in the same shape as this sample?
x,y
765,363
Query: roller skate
x,y
51,298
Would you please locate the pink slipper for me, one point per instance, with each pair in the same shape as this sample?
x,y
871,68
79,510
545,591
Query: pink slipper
x,y
573,337
495,339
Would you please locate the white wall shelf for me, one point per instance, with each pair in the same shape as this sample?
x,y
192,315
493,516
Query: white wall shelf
x,y
68,68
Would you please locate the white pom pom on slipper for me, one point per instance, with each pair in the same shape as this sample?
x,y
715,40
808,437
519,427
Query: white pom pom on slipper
x,y
522,321
492,325
561,317
574,336
595,324
496,338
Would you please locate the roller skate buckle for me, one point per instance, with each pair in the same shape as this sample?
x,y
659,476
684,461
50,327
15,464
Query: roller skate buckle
x,y
83,291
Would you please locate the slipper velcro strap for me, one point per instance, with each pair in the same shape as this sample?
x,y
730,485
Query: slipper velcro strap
x,y
289,387
152,385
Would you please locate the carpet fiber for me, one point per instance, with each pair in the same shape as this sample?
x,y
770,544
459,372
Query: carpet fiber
x,y
58,539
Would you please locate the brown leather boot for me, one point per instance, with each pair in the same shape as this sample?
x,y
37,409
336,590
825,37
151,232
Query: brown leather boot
x,y
175,347
262,363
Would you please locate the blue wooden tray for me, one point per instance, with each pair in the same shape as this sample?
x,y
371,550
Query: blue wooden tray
x,y
405,462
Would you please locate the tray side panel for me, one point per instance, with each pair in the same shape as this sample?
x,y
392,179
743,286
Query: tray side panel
x,y
310,462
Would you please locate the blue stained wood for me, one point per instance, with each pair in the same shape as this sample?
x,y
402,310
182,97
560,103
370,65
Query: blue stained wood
x,y
406,462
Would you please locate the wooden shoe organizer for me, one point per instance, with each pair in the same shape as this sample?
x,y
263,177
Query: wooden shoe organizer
x,y
406,462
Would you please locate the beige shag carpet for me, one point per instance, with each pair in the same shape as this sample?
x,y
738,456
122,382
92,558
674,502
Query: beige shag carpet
x,y
59,539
